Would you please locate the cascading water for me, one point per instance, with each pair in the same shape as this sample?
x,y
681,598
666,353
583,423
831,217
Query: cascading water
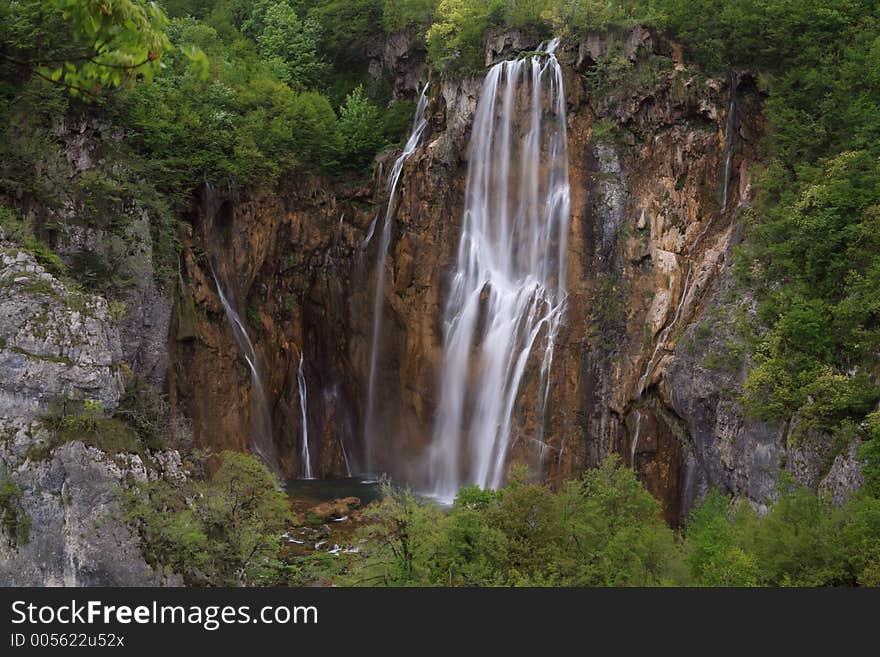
x,y
508,288
304,410
729,135
418,128
635,441
262,443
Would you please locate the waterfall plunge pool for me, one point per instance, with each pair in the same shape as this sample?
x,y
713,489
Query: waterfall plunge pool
x,y
307,492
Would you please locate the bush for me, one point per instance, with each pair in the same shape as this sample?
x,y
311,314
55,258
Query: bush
x,y
714,557
16,522
49,260
69,420
224,531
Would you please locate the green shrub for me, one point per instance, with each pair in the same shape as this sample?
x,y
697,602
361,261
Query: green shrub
x,y
714,557
86,421
49,260
16,522
222,531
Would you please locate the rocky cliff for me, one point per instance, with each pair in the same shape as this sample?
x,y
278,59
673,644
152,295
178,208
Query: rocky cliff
x,y
659,170
659,164
60,521
650,364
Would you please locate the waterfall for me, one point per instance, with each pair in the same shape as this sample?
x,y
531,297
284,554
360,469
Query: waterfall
x,y
418,127
303,407
729,134
507,292
635,440
263,443
344,456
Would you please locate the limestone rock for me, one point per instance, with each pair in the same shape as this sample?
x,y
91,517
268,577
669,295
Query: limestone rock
x,y
53,342
76,537
844,476
502,45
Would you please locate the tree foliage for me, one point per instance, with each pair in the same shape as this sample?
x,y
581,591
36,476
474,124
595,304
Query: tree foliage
x,y
289,45
86,46
223,531
604,530
360,129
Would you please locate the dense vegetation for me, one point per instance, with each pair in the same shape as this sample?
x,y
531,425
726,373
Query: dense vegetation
x,y
222,529
603,530
230,92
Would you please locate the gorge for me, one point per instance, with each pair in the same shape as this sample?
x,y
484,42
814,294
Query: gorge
x,y
544,270
658,175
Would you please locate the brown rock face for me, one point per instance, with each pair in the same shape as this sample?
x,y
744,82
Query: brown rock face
x,y
288,259
649,242
651,154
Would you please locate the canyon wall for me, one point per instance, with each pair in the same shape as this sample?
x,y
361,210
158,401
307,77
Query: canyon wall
x,y
61,522
660,157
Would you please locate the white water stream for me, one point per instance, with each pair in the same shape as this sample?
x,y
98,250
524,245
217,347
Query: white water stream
x,y
507,293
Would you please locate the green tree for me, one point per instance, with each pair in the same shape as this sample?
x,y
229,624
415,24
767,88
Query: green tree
x,y
86,46
401,538
360,128
455,39
472,552
869,452
224,531
529,516
714,557
315,132
243,510
289,46
798,542
861,540
616,533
